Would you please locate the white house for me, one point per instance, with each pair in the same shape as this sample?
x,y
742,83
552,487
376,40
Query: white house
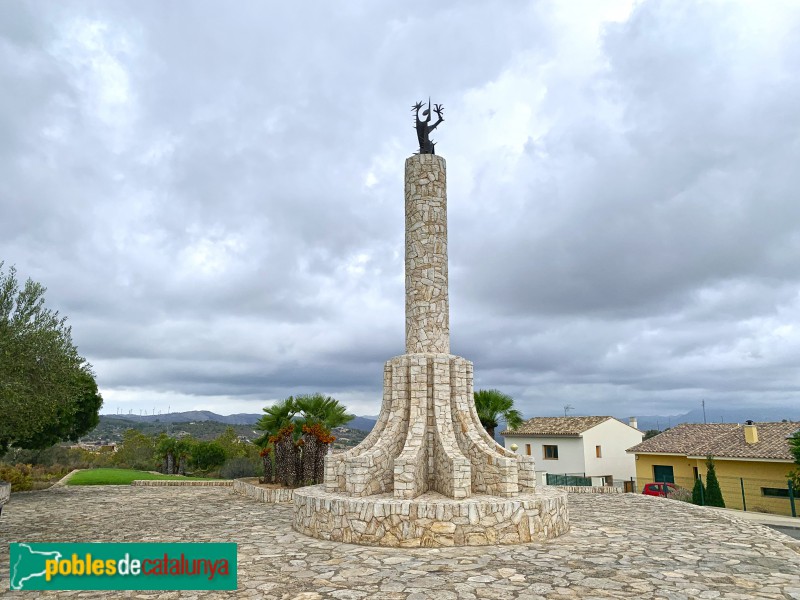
x,y
586,446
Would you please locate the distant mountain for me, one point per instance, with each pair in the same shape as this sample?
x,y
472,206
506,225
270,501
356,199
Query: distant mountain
x,y
189,416
715,415
362,423
645,422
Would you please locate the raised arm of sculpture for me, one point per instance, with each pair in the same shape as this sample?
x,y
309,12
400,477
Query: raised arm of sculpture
x,y
438,109
426,146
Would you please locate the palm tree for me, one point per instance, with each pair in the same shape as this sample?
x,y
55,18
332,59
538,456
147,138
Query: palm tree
x,y
167,448
183,450
494,405
277,423
318,415
310,417
275,418
316,408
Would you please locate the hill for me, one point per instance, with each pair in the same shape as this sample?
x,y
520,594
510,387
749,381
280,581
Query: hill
x,y
189,416
206,425
196,416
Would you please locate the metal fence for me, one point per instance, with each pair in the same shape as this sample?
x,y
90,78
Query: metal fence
x,y
766,495
576,480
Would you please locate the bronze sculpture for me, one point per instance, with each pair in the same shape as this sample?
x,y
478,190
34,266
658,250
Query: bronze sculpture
x,y
426,146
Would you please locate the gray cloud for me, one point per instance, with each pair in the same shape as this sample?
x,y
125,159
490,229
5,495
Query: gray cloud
x,y
214,196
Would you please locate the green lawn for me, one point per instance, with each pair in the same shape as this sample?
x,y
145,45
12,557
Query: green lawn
x,y
116,477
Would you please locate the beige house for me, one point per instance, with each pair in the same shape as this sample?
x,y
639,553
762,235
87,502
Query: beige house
x,y
593,447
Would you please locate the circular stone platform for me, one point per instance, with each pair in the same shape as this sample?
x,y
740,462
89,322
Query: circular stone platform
x,y
431,519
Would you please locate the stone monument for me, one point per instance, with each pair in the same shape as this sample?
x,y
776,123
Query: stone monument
x,y
428,474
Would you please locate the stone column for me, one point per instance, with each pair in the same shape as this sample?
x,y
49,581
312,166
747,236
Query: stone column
x,y
427,306
428,437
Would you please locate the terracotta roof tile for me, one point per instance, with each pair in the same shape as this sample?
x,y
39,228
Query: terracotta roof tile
x,y
722,440
556,426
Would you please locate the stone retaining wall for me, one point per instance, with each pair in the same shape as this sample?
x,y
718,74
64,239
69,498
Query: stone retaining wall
x,y
181,483
430,520
262,494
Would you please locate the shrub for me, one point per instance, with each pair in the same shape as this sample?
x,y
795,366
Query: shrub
x,y
137,451
238,467
229,442
698,492
794,475
19,476
62,456
713,491
24,477
207,455
49,474
680,493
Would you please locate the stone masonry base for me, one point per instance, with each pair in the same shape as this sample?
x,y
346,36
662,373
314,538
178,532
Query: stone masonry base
x,y
249,487
181,483
429,437
430,520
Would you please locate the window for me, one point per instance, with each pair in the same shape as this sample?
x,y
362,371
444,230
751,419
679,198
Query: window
x,y
528,449
696,473
663,473
550,452
598,452
775,492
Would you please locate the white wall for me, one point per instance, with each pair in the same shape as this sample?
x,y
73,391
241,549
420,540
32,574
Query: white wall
x,y
614,438
570,453
577,455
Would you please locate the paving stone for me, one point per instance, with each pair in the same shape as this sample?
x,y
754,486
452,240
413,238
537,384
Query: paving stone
x,y
669,550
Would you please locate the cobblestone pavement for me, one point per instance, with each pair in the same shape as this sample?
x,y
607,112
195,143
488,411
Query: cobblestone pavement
x,y
620,546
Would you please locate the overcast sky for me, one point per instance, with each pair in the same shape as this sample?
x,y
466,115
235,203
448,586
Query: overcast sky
x,y
213,193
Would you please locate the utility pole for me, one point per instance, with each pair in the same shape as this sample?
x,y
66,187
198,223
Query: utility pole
x,y
703,402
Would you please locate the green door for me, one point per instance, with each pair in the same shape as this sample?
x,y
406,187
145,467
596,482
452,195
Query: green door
x,y
663,473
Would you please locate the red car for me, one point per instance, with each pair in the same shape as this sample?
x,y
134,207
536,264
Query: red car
x,y
659,489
